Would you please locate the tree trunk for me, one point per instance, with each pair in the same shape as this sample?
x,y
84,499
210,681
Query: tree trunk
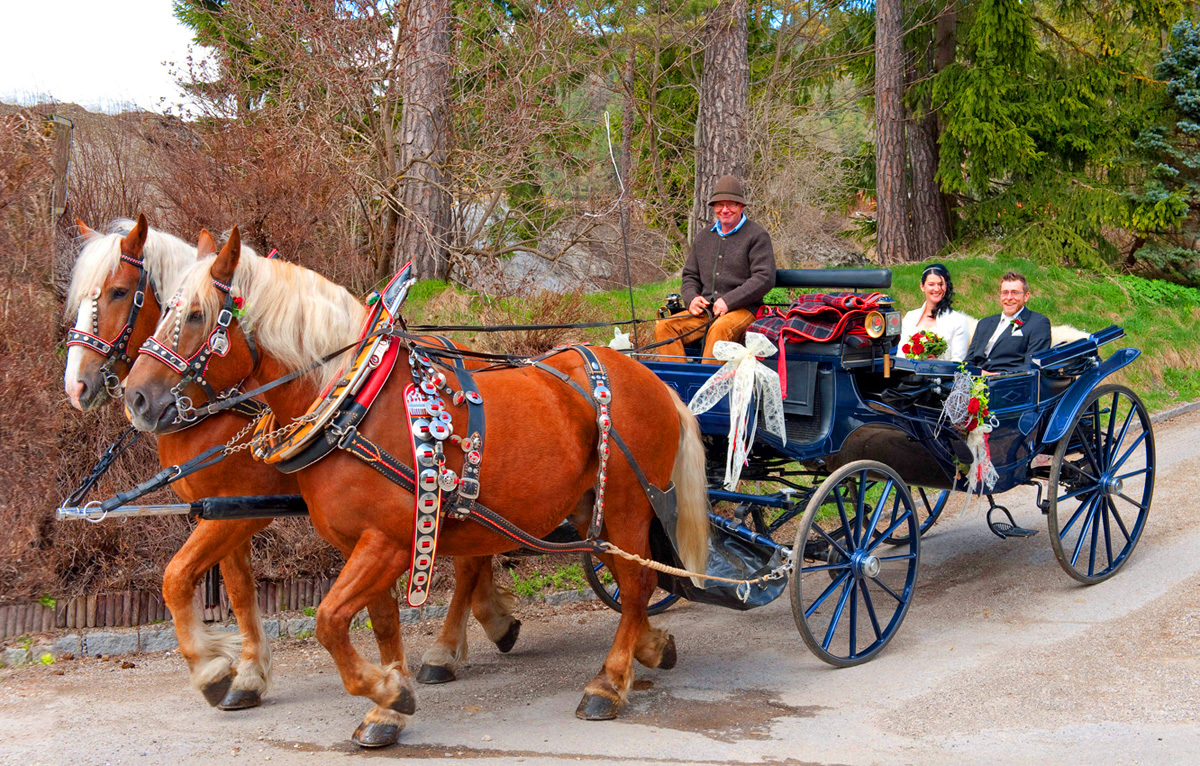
x,y
424,139
929,228
890,154
945,51
724,95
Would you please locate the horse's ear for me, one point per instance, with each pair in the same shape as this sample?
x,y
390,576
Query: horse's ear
x,y
227,259
206,245
136,239
84,229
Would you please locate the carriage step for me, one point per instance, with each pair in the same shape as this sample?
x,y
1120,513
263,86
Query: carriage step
x,y
1002,530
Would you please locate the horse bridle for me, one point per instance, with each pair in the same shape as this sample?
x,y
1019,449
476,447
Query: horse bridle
x,y
193,368
116,350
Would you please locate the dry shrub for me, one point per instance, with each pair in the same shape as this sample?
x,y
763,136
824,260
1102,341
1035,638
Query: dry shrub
x,y
540,308
798,184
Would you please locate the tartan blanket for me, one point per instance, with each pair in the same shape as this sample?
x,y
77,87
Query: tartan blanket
x,y
820,317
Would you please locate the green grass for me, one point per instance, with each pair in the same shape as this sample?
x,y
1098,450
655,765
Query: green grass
x,y
568,577
1159,318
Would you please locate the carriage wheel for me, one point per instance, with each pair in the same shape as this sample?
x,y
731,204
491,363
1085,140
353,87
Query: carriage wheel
x,y
848,599
929,504
1101,485
610,593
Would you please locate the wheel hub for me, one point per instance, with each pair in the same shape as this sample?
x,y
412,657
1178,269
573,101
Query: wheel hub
x,y
866,565
1112,485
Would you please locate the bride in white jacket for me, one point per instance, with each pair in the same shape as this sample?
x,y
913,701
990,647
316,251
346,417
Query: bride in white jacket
x,y
938,315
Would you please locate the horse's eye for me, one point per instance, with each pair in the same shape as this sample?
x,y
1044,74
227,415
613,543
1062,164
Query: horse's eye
x,y
117,293
195,317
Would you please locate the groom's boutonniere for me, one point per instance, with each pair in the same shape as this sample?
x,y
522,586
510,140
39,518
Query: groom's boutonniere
x,y
1018,323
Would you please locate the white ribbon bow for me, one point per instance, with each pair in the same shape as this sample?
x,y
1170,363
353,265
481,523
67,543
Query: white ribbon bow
x,y
746,380
620,341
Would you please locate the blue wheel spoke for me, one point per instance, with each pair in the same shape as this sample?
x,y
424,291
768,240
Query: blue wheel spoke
x,y
837,615
1129,451
1112,421
1100,509
1087,525
1114,446
859,508
1099,447
825,594
890,592
825,567
870,609
888,532
616,592
1130,500
1107,533
899,557
853,619
1074,517
1080,471
1091,456
850,542
883,498
1076,493
1138,472
831,541
1120,524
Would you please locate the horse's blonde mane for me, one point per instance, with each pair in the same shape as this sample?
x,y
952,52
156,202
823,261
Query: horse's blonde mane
x,y
296,315
166,256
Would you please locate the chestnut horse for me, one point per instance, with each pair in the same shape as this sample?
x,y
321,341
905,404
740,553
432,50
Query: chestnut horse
x,y
104,282
539,465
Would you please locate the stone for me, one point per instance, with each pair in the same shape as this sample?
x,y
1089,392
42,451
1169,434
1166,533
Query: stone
x,y
157,640
15,656
64,645
110,643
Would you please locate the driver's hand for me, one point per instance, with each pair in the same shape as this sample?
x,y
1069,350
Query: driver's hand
x,y
720,308
697,306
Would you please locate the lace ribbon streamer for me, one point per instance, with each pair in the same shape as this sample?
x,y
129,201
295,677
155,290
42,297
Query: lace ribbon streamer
x,y
748,382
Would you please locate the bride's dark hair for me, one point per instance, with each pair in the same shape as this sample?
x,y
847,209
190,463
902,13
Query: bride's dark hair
x,y
947,302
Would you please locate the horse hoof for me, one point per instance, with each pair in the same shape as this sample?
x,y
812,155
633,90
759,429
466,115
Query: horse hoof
x,y
509,639
405,702
216,691
435,674
669,656
375,734
240,699
595,707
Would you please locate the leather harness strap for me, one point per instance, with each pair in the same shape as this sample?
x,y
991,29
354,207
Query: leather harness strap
x,y
118,348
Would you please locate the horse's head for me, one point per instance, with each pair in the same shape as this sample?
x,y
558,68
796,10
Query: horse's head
x,y
199,348
116,309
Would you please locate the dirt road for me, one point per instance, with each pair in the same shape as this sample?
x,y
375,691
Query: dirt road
x,y
1003,658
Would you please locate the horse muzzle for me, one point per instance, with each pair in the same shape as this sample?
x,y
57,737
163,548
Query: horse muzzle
x,y
151,409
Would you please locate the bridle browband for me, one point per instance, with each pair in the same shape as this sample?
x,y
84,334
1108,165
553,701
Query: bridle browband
x,y
117,349
193,368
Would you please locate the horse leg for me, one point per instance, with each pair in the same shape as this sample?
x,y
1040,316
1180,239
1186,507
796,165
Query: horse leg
x,y
253,674
381,727
370,571
605,693
493,605
655,648
210,653
440,662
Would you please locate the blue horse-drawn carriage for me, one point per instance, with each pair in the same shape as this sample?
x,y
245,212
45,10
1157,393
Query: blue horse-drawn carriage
x,y
869,462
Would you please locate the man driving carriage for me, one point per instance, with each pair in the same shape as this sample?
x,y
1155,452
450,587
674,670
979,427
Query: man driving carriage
x,y
730,269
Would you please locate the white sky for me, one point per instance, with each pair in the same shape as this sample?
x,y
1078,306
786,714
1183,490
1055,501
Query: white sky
x,y
99,55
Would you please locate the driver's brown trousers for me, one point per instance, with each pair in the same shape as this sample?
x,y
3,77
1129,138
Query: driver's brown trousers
x,y
686,328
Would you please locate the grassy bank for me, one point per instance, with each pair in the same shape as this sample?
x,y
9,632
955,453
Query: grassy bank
x,y
1159,318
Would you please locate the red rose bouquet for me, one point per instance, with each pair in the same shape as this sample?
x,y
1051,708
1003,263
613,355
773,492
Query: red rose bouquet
x,y
924,345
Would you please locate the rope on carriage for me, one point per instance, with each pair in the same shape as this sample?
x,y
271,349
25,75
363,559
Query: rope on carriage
x,y
743,586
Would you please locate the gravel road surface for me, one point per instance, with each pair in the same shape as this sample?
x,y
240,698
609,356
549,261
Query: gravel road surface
x,y
1002,659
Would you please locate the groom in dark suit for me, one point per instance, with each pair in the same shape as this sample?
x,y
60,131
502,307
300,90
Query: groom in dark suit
x,y
1008,342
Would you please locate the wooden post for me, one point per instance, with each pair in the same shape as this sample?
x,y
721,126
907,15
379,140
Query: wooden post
x,y
48,619
90,612
4,621
110,610
60,613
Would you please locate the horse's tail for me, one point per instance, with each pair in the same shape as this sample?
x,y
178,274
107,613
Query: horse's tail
x,y
691,493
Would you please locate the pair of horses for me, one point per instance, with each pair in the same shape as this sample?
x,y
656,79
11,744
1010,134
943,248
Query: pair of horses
x,y
541,454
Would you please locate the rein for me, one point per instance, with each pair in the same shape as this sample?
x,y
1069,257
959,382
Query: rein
x,y
117,349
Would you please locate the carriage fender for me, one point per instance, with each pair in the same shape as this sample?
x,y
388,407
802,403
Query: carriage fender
x,y
1064,414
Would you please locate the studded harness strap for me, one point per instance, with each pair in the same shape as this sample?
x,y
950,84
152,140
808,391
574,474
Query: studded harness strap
x,y
117,349
193,368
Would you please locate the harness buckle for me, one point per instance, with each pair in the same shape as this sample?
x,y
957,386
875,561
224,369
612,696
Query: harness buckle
x,y
345,435
468,488
139,298
224,318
